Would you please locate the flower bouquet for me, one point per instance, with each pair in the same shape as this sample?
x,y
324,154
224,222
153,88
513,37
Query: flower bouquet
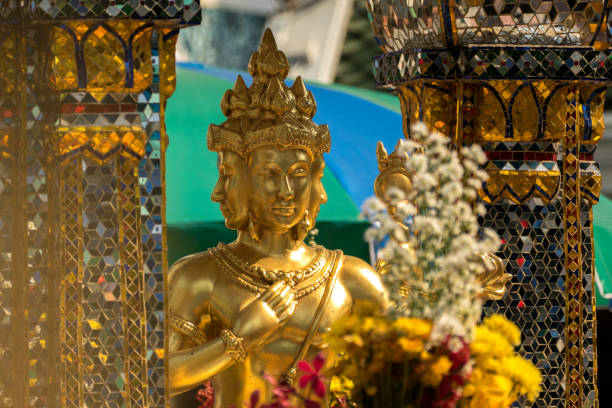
x,y
381,360
426,350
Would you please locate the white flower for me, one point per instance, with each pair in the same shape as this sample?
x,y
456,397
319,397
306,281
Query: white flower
x,y
407,147
440,225
417,163
372,205
419,130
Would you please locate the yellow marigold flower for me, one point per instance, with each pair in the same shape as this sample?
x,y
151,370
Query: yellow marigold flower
x,y
435,371
492,391
353,339
346,324
488,363
413,327
368,324
490,343
473,384
524,374
498,323
341,384
411,345
425,355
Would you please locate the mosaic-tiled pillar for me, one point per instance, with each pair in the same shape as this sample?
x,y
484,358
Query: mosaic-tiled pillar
x,y
82,247
496,75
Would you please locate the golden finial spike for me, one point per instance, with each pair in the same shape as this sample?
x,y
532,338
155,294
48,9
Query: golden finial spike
x,y
381,156
298,88
305,101
267,41
240,97
239,86
269,112
235,100
268,60
277,99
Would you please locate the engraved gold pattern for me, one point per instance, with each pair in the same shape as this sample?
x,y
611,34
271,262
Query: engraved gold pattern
x,y
186,328
269,113
257,285
233,346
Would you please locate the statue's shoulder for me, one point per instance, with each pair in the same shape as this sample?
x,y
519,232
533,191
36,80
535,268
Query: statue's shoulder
x,y
192,272
362,281
354,265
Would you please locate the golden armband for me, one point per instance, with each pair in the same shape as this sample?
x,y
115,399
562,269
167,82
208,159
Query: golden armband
x,y
233,346
187,329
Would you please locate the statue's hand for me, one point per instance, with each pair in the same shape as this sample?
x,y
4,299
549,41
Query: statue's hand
x,y
493,279
264,315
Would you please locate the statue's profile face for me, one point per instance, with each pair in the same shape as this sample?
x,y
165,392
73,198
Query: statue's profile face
x,y
231,190
280,187
318,194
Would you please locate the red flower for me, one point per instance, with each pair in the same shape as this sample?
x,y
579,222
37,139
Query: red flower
x,y
311,404
461,357
313,375
253,400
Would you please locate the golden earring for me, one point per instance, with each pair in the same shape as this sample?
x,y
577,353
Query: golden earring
x,y
254,229
301,230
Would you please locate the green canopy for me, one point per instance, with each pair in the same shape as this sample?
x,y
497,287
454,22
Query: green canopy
x,y
602,230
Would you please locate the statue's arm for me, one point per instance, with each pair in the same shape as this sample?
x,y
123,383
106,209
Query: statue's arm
x,y
362,282
190,286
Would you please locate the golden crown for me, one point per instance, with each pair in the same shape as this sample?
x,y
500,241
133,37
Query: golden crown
x,y
269,113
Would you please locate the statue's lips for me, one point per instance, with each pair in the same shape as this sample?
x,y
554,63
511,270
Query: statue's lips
x,y
224,209
285,211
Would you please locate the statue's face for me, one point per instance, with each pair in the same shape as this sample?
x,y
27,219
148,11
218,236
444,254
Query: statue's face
x,y
280,187
231,190
318,194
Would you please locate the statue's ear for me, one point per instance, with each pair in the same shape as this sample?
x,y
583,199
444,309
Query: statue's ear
x,y
381,155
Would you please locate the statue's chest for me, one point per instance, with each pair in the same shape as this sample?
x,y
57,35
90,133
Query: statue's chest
x,y
295,331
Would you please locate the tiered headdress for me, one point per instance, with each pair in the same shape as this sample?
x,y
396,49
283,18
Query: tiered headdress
x,y
269,113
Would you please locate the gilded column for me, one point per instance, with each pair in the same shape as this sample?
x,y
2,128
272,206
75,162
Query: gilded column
x,y
526,82
82,265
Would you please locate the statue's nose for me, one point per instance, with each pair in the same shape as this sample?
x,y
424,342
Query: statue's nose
x,y
217,193
285,190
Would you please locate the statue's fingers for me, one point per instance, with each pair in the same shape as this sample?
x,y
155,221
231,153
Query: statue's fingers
x,y
272,291
290,297
288,304
286,311
274,302
286,298
285,290
266,296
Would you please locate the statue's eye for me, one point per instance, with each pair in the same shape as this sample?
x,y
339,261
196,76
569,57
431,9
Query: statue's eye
x,y
225,172
299,172
265,173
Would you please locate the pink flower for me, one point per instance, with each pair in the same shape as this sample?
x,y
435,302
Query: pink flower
x,y
281,391
206,395
313,375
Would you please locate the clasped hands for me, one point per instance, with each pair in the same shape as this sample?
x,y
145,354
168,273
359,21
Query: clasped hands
x,y
260,318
